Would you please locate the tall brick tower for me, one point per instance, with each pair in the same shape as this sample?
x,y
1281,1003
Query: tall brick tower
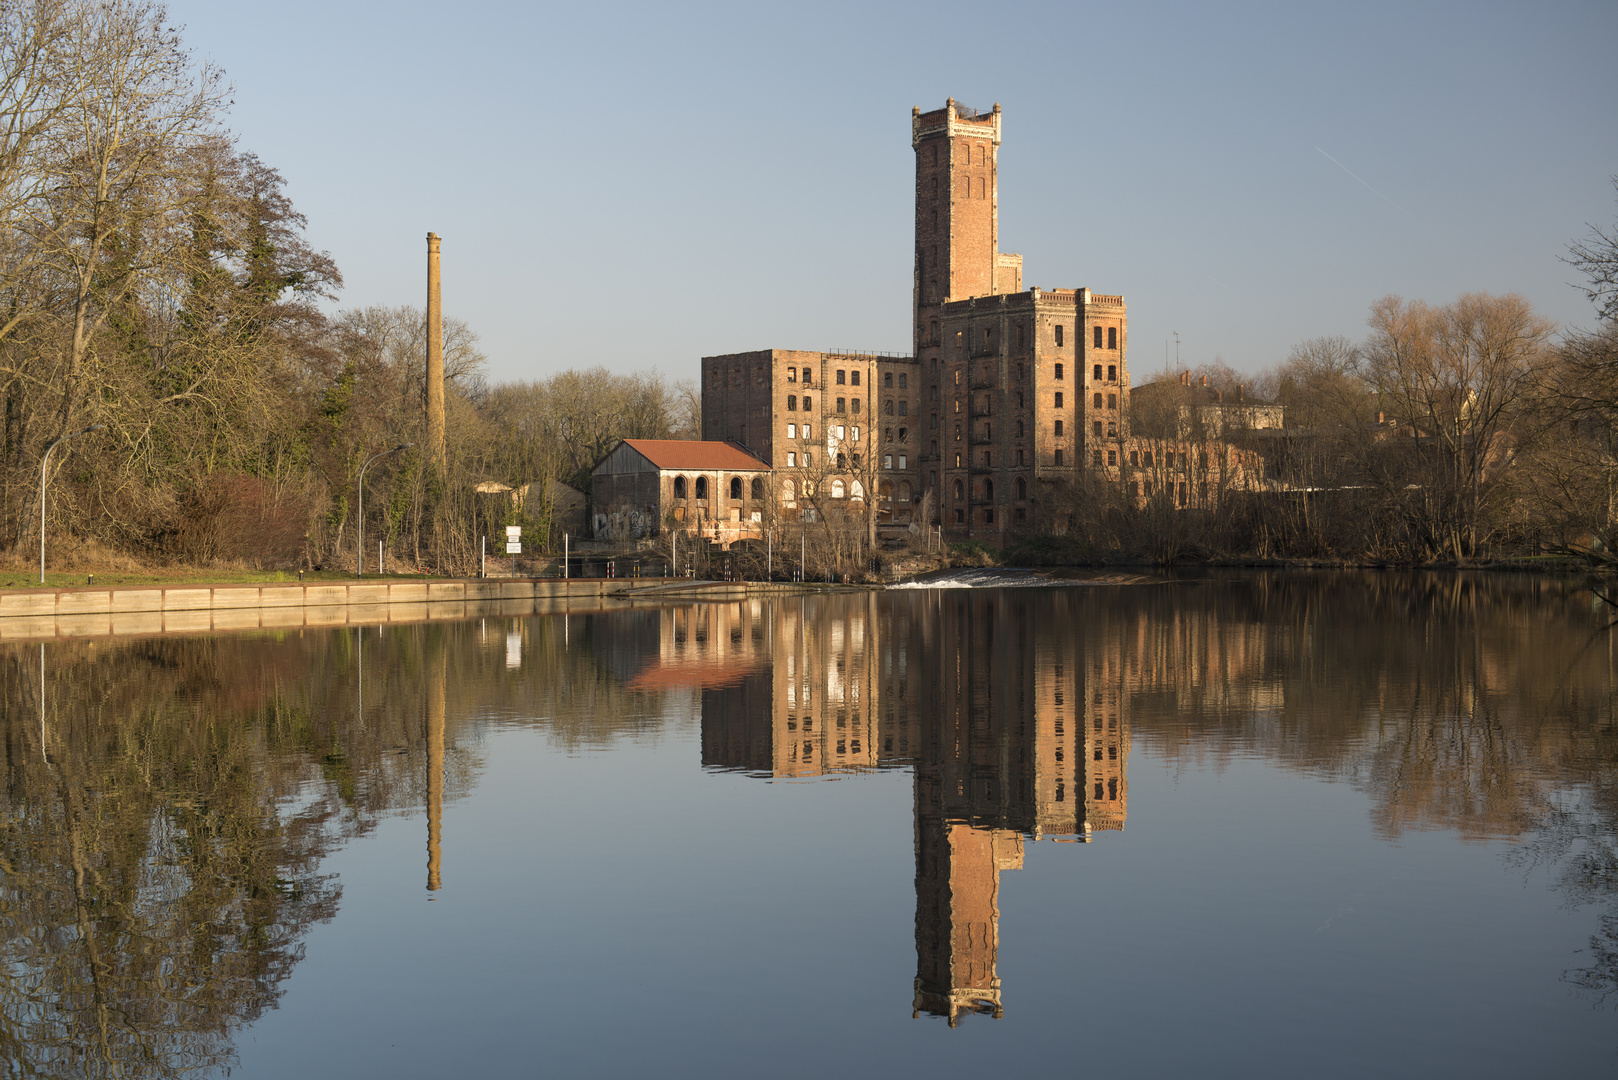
x,y
957,215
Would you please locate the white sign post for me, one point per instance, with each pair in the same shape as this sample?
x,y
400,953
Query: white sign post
x,y
513,539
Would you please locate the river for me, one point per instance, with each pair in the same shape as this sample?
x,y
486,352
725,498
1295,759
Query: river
x,y
1255,824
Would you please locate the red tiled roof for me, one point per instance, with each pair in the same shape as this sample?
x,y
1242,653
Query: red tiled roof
x,y
692,454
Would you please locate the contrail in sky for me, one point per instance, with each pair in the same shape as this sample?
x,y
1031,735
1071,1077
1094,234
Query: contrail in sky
x,y
1363,184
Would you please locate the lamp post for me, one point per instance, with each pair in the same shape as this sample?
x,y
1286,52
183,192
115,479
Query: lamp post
x,y
43,461
359,522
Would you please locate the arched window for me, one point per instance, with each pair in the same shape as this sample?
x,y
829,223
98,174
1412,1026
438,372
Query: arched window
x,y
988,490
736,488
758,488
1098,371
679,487
1022,488
1098,341
837,489
1112,337
958,488
1019,429
702,487
789,492
1058,372
904,491
856,490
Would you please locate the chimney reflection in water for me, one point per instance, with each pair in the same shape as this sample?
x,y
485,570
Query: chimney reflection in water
x,y
1010,735
435,763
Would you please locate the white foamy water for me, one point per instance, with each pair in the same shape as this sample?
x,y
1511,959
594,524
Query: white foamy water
x,y
995,578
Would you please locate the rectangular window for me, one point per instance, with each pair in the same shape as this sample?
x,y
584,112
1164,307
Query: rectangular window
x,y
1095,429
887,461
840,432
1058,372
792,402
808,403
1112,401
904,380
792,431
1112,457
792,374
957,461
1058,399
807,433
1134,457
1098,337
854,377
887,379
842,404
1058,338
808,377
792,460
1058,457
1112,372
904,408
1148,465
1112,337
902,464
856,404
842,376
856,431
1059,429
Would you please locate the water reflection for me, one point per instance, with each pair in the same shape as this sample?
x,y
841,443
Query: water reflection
x,y
169,805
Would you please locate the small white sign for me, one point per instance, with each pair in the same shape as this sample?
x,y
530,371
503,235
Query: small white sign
x,y
513,531
514,548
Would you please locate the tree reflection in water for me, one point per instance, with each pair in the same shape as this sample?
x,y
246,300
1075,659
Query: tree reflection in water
x,y
166,816
166,826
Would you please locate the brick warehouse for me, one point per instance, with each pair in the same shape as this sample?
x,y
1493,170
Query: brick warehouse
x,y
1007,392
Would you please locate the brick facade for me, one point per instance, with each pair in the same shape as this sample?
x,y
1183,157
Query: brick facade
x,y
998,401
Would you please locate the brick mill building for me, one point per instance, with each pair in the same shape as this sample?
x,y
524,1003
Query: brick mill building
x,y
1008,392
716,490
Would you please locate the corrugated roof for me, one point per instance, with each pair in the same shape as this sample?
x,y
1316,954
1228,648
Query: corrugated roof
x,y
694,454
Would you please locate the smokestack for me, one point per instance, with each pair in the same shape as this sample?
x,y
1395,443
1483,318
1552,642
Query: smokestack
x,y
1379,418
1205,380
435,357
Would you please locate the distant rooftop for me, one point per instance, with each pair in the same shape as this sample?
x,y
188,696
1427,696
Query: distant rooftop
x,y
696,454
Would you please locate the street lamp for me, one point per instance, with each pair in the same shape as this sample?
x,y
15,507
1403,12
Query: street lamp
x,y
42,463
359,525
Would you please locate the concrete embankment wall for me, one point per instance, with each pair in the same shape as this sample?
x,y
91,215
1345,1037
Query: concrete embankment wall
x,y
155,609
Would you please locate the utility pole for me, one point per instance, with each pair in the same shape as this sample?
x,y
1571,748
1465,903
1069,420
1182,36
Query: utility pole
x,y
359,518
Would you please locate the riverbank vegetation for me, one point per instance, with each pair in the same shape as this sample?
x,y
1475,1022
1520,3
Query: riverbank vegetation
x,y
159,295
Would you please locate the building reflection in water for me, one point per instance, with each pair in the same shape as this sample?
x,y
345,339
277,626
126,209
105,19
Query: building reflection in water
x,y
1011,734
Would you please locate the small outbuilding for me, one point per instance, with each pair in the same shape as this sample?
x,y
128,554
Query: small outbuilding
x,y
713,489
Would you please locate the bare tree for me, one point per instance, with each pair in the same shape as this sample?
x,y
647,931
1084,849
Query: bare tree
x,y
1459,380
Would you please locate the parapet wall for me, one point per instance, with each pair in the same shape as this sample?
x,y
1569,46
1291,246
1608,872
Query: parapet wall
x,y
157,609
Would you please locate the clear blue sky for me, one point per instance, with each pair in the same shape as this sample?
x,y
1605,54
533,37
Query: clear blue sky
x,y
639,185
